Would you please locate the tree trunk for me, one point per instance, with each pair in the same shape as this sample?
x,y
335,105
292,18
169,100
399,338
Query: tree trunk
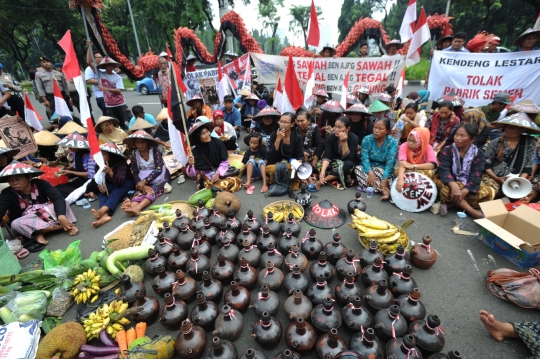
x,y
305,38
274,30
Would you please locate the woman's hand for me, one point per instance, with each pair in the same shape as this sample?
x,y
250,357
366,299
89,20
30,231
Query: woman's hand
x,y
139,186
371,179
343,136
215,177
399,185
500,180
313,163
456,195
322,178
280,135
306,156
65,223
191,161
406,165
101,189
147,190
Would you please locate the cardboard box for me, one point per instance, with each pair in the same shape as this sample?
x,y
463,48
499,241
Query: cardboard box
x,y
514,235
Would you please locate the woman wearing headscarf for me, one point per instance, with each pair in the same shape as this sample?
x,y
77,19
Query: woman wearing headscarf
x,y
476,117
209,161
265,122
441,124
423,99
415,155
224,130
108,131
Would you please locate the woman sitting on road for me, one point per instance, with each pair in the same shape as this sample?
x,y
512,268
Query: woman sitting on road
x,y
331,111
313,143
410,119
149,172
108,131
441,124
6,156
265,122
476,117
225,131
249,110
361,124
363,96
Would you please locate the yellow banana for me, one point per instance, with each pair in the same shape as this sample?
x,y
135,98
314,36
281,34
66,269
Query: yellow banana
x,y
360,214
117,326
374,224
110,330
124,321
94,298
123,308
379,233
389,239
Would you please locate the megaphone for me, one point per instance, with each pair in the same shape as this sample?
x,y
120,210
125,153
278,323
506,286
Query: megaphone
x,y
304,170
516,187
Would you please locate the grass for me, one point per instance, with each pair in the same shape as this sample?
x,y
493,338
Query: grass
x,y
128,84
418,71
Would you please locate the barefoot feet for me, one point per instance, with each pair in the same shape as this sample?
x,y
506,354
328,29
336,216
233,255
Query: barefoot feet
x,y
101,221
40,238
498,330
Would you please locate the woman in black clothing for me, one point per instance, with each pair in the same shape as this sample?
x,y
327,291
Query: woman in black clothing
x,y
361,124
265,123
313,144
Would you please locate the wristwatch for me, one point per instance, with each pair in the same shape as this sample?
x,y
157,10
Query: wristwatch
x,y
414,167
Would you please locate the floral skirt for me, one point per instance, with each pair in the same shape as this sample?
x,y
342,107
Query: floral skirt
x,y
362,178
529,333
343,170
484,194
31,221
229,184
140,196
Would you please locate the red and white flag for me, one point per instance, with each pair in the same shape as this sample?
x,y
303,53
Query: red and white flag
x,y
31,115
345,90
310,85
223,84
314,34
293,98
178,141
400,84
420,37
406,30
537,23
61,107
183,87
247,75
278,95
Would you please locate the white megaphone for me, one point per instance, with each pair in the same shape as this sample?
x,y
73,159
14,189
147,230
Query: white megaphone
x,y
516,187
304,170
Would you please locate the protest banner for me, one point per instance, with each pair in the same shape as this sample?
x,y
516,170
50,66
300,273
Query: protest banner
x,y
374,72
236,71
477,78
16,134
209,91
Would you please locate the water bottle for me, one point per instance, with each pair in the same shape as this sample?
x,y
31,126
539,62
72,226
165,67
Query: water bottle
x,y
86,204
398,129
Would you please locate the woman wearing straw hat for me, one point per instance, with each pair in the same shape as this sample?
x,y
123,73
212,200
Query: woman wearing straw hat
x,y
118,182
529,107
527,41
331,111
198,108
265,123
108,130
6,157
70,126
27,200
149,172
361,124
47,146
363,95
249,110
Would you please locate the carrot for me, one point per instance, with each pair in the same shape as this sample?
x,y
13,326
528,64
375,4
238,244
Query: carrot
x,y
140,329
121,339
130,336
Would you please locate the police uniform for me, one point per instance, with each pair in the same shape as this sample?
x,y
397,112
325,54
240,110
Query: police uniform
x,y
15,101
44,83
5,110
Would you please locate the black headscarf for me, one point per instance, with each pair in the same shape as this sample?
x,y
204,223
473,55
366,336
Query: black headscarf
x,y
208,156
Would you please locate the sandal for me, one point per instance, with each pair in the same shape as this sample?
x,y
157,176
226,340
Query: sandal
x,y
443,211
337,185
312,188
250,189
23,253
35,247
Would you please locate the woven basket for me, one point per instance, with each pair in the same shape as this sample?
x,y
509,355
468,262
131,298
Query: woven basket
x,y
9,264
286,203
183,206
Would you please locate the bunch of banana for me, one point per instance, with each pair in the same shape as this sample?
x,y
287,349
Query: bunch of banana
x,y
387,235
86,287
281,211
109,317
161,220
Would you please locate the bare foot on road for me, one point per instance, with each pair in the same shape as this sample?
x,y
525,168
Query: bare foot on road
x,y
101,221
498,330
40,238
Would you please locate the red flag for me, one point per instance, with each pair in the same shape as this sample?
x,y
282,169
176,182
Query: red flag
x,y
314,34
177,72
31,115
406,31
537,23
421,36
178,143
292,91
60,104
345,90
310,86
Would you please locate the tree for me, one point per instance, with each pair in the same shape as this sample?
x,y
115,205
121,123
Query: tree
x,y
395,18
268,13
300,22
381,5
352,11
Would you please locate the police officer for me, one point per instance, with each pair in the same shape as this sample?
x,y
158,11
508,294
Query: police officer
x,y
15,101
44,82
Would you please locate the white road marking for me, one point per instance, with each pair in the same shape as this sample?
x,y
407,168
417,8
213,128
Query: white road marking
x,y
490,257
473,260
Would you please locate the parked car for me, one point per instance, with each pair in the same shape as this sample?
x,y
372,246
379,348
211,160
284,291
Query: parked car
x,y
147,86
500,49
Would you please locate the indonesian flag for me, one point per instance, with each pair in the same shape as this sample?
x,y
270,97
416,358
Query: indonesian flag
x,y
293,98
31,115
421,36
310,85
407,26
60,104
223,84
247,75
183,87
314,34
400,85
72,70
178,140
345,90
278,95
537,24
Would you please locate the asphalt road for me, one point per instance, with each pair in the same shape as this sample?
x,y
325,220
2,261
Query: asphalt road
x,y
454,289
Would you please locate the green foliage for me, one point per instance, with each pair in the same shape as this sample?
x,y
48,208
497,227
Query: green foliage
x,y
270,19
300,20
352,11
418,71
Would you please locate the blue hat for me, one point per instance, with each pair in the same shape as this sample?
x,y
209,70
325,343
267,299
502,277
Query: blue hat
x,y
57,64
1,66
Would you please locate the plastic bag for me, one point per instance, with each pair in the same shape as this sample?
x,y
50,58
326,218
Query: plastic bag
x,y
20,340
68,258
60,303
28,305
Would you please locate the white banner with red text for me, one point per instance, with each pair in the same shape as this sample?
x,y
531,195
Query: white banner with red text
x,y
477,78
375,72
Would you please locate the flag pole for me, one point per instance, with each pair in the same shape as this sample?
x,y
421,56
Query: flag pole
x,y
96,70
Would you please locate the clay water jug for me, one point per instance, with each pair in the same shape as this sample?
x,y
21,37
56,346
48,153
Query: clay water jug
x,y
347,289
423,255
292,225
229,324
295,280
330,344
272,255
202,246
311,246
322,267
271,277
303,197
178,258
253,354
451,355
147,308
204,313
373,273
355,317
251,253
223,270
129,289
153,262
367,344
325,317
201,209
403,348
396,262
368,255
265,238
267,331
356,203
191,341
164,246
295,257
173,313
215,218
229,251
319,291
335,249
286,241
233,223
429,335
402,283
185,237
197,264
197,222
253,223
389,324
225,235
300,336
287,354
378,297
265,301
164,281
211,288
210,231
221,349
170,232
184,288
245,235
246,275
273,226
298,306
348,264
180,218
237,297
411,307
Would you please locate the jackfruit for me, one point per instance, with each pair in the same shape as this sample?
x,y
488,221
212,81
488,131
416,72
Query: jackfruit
x,y
66,339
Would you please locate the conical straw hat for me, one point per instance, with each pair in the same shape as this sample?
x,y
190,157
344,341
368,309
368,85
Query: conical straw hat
x,y
163,114
140,124
46,138
71,127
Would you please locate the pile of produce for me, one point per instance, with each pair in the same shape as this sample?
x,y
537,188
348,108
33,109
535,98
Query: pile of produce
x,y
282,209
110,318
